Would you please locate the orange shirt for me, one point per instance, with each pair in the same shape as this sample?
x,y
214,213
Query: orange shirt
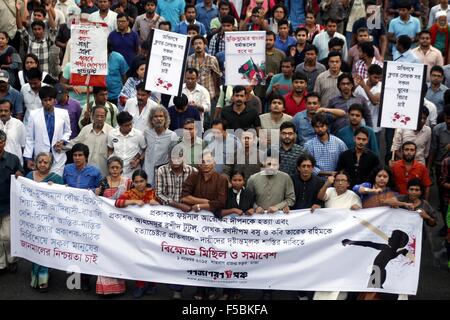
x,y
402,176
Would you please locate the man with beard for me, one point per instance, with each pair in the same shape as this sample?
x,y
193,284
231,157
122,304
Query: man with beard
x,y
358,161
306,184
346,134
428,54
421,137
147,21
140,107
324,147
408,169
302,120
289,150
343,101
180,111
190,14
198,96
238,115
436,89
95,136
296,99
105,15
159,139
207,66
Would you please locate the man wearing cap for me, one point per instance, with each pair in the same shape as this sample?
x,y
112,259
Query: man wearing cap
x,y
9,93
9,164
63,101
14,128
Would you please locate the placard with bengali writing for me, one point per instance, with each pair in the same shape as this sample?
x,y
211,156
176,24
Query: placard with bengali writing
x,y
167,62
89,54
245,57
401,96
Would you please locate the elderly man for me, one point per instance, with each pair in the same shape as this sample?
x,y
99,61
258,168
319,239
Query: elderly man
x,y
9,164
95,136
273,189
159,139
14,129
205,190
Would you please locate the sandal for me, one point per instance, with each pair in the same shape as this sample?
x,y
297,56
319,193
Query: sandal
x,y
43,288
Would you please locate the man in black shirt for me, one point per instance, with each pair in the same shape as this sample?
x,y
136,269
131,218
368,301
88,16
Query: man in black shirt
x,y
9,164
359,161
238,115
306,185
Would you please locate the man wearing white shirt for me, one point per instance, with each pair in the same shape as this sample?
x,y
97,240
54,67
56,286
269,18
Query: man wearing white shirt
x,y
63,5
198,95
139,107
105,15
370,89
30,92
442,6
14,129
127,143
322,39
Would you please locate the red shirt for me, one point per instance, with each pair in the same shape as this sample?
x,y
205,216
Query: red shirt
x,y
291,106
402,176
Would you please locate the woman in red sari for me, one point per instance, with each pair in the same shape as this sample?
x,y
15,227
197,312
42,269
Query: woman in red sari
x,y
139,195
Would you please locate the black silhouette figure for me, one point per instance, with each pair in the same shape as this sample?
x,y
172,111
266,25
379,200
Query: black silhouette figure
x,y
388,252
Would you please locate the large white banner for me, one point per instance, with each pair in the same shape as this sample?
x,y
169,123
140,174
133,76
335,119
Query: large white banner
x,y
401,96
167,62
330,250
245,57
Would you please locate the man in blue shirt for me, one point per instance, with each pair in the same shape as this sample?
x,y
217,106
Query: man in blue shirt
x,y
9,93
190,14
404,24
182,111
82,175
283,40
124,40
346,134
206,11
403,52
296,9
171,10
117,70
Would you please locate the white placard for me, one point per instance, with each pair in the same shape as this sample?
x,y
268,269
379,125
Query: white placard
x,y
245,57
167,62
402,94
89,54
61,227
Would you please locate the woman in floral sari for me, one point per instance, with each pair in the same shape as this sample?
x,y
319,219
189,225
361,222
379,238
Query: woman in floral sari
x,y
111,187
44,161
